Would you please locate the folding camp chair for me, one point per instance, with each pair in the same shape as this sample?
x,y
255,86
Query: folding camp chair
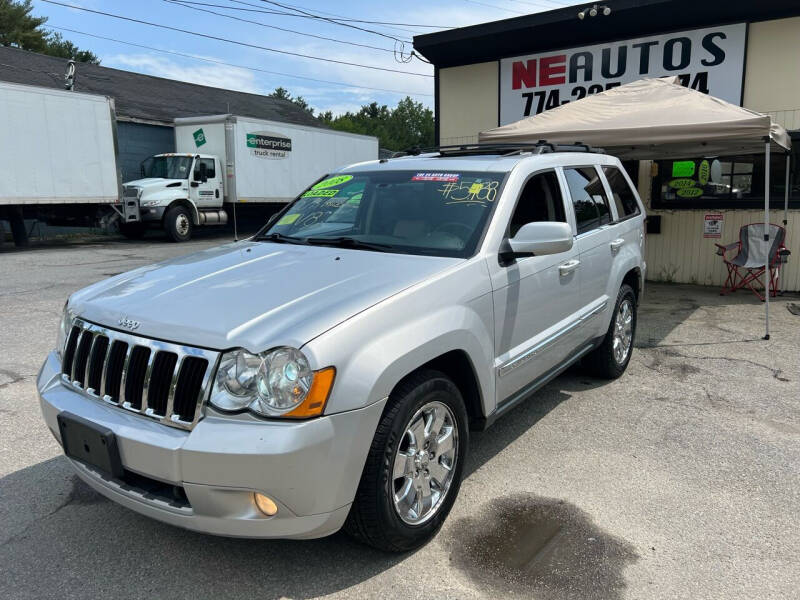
x,y
748,266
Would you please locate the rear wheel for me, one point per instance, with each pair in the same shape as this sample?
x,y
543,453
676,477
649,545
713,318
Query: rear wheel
x,y
611,358
178,224
414,467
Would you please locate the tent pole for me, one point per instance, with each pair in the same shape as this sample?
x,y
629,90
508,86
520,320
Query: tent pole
x,y
785,212
768,274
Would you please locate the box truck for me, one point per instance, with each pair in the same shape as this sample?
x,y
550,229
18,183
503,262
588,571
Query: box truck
x,y
58,157
223,161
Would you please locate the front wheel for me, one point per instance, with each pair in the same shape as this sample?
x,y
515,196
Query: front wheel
x,y
178,224
611,358
414,467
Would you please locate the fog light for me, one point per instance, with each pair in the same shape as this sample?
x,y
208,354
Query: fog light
x,y
266,505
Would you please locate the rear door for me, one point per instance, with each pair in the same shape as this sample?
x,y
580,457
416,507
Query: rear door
x,y
595,229
536,298
628,235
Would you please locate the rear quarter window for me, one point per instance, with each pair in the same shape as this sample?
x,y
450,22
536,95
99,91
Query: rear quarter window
x,y
621,192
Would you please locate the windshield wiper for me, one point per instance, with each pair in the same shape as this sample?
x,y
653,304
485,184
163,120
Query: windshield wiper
x,y
280,238
348,242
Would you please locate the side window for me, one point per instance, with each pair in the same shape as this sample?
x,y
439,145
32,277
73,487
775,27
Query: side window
x,y
210,170
588,198
540,200
624,198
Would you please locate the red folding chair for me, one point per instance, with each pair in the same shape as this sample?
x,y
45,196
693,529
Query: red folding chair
x,y
748,266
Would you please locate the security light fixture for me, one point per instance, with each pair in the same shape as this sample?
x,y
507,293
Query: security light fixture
x,y
593,11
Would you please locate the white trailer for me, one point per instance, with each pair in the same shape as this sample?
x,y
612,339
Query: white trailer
x,y
225,160
58,153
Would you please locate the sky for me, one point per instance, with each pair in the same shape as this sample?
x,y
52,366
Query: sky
x,y
177,55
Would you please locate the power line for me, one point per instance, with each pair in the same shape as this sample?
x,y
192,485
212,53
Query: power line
x,y
259,8
315,16
238,43
319,37
490,6
338,17
227,64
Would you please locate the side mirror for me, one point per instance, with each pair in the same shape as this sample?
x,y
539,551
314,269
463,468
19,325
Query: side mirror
x,y
541,238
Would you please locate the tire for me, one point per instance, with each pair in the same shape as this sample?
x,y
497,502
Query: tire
x,y
604,362
178,224
376,518
133,231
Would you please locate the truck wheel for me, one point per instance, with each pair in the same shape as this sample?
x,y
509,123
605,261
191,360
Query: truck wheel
x,y
611,358
178,223
414,466
133,231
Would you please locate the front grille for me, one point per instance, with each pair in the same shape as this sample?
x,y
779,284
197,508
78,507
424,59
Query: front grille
x,y
160,380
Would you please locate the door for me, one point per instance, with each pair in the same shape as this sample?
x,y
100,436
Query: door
x,y
536,298
205,194
593,220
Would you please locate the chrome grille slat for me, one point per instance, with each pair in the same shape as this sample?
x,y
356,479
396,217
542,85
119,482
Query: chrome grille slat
x,y
155,367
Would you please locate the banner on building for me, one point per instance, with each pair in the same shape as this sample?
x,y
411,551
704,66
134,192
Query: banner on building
x,y
710,60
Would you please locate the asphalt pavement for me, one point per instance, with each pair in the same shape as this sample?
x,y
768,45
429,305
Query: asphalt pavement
x,y
679,480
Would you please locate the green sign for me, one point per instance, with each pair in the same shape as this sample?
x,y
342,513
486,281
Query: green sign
x,y
683,168
703,172
199,137
332,181
690,192
679,184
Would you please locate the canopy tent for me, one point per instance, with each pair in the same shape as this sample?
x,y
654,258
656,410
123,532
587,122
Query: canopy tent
x,y
657,119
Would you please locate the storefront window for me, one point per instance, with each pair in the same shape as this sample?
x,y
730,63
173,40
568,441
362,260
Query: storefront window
x,y
725,182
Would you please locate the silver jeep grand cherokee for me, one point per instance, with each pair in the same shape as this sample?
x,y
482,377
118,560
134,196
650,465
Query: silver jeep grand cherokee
x,y
326,372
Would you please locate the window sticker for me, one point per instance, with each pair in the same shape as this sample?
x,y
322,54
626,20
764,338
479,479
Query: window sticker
x,y
451,177
704,173
465,192
288,219
332,181
679,184
314,193
683,168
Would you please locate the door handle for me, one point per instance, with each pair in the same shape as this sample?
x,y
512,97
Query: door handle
x,y
617,244
568,267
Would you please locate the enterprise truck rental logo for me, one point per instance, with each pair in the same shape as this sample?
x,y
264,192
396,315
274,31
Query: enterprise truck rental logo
x,y
266,144
709,60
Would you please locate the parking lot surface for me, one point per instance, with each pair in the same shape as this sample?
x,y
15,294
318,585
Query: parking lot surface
x,y
679,480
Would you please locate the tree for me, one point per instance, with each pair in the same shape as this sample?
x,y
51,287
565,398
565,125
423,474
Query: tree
x,y
20,29
58,46
408,125
283,94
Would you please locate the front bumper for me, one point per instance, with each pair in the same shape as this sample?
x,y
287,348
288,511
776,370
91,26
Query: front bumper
x,y
151,213
311,469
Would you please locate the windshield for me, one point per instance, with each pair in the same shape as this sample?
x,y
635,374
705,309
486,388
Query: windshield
x,y
167,167
443,214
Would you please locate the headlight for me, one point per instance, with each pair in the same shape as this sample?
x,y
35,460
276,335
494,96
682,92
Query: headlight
x,y
151,203
276,383
63,329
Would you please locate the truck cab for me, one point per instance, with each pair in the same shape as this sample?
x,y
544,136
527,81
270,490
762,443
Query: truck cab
x,y
176,192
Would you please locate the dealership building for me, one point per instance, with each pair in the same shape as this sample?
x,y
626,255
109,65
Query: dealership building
x,y
744,52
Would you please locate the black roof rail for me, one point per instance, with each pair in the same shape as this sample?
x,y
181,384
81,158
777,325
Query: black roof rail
x,y
504,149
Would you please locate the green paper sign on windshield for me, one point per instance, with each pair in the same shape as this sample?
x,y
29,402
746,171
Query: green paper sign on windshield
x,y
683,168
332,181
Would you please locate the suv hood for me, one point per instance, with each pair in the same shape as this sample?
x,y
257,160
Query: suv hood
x,y
252,295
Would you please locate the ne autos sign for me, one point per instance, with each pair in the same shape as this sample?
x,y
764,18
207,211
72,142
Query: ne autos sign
x,y
709,60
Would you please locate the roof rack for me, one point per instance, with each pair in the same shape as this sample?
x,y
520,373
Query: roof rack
x,y
540,147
